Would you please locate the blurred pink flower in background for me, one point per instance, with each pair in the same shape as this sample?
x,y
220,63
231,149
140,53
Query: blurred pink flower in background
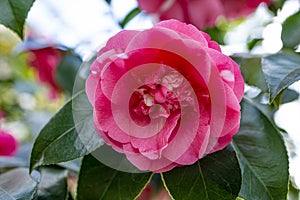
x,y
45,61
200,13
233,9
44,56
8,144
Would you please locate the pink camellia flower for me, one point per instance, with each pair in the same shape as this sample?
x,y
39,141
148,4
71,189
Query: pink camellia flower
x,y
201,13
45,61
8,144
165,96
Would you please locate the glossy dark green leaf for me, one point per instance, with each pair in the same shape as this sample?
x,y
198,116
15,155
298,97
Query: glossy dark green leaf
x,y
18,184
262,155
289,96
261,102
97,181
13,14
281,70
62,140
252,71
67,70
285,96
216,176
53,184
134,12
290,31
113,159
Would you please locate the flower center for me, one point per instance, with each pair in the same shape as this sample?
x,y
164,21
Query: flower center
x,y
161,99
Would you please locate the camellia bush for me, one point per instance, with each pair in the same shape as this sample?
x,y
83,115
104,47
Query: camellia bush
x,y
159,113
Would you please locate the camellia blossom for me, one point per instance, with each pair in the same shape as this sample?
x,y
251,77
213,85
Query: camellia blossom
x,y
201,13
8,144
165,96
45,61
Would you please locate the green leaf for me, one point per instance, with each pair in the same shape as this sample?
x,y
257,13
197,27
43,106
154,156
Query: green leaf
x,y
97,181
13,14
285,96
216,176
252,71
262,154
253,42
62,140
281,70
275,5
290,31
279,3
261,103
113,159
18,184
216,34
67,70
289,96
294,193
53,184
134,12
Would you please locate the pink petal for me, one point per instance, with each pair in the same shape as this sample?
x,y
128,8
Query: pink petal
x,y
186,29
119,41
155,37
104,118
218,103
92,82
224,64
239,84
212,44
233,114
224,140
151,147
182,48
143,163
193,150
